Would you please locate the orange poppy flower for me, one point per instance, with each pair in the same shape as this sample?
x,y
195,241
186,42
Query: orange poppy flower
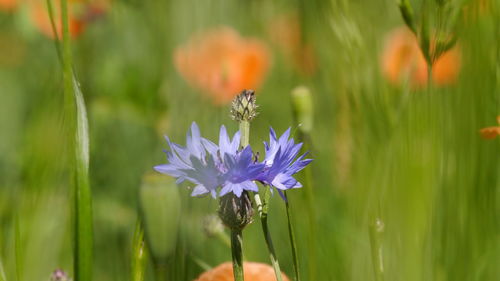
x,y
491,132
80,12
8,5
285,31
402,59
253,271
221,63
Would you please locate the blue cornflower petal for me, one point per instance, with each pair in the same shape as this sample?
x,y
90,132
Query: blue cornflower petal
x,y
281,161
241,172
192,163
227,146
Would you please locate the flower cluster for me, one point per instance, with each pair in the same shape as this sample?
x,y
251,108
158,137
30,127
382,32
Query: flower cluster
x,y
224,168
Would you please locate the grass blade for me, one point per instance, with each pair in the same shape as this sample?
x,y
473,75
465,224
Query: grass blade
x,y
139,254
76,115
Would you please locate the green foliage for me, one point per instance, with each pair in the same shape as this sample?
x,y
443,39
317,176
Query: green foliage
x,y
411,156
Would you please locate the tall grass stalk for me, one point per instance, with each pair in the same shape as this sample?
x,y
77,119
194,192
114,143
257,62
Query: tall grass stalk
x,y
76,116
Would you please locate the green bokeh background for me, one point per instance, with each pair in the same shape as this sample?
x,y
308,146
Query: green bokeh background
x,y
413,158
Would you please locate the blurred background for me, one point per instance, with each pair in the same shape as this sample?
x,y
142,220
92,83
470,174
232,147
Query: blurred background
x,y
388,142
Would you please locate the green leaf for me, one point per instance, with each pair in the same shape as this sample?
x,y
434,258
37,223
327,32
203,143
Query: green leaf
x,y
407,14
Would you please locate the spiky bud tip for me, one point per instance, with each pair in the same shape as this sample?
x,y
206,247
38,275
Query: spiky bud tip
x,y
244,107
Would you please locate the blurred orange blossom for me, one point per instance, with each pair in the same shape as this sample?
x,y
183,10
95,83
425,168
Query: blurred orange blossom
x,y
491,132
221,63
8,5
402,59
285,31
80,13
253,272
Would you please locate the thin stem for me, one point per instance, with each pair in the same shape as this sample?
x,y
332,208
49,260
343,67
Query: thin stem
x,y
50,10
376,230
237,253
236,234
245,133
292,239
262,209
138,254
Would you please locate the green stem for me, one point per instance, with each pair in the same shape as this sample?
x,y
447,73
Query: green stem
x,y
245,133
139,254
78,128
262,209
237,254
292,239
376,230
50,10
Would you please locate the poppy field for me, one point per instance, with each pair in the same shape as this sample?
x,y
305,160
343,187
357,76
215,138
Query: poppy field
x,y
184,140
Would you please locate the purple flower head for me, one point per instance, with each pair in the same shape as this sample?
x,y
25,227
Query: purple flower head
x,y
192,163
241,172
281,162
211,166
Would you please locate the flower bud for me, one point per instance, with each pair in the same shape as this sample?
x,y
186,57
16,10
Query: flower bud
x,y
303,108
160,205
244,107
236,212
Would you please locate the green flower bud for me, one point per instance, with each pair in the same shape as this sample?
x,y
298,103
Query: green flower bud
x,y
303,108
236,212
161,209
243,107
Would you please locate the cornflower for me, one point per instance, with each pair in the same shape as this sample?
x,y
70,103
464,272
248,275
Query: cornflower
x,y
210,166
281,162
